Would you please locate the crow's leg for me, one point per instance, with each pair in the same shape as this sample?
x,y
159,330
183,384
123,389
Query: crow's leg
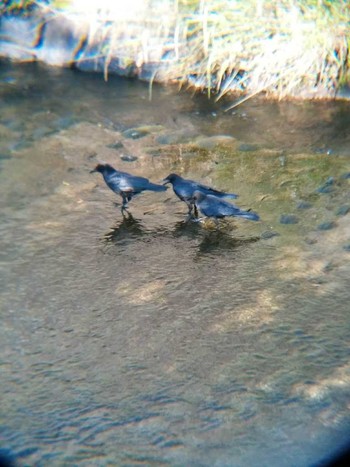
x,y
125,202
198,219
192,207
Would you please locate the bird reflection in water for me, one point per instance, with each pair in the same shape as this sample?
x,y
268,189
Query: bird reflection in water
x,y
211,238
205,240
127,229
219,240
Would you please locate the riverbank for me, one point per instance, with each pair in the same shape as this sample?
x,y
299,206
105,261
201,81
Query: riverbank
x,y
283,49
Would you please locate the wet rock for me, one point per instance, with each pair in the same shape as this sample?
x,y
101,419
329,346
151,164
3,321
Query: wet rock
x,y
4,156
21,36
343,210
327,225
247,147
310,241
288,219
151,128
324,150
19,145
304,205
13,124
327,187
177,137
61,40
41,132
135,133
128,158
116,145
269,234
210,142
62,123
328,267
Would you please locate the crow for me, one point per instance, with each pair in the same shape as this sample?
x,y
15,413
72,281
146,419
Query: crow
x,y
212,206
124,184
185,188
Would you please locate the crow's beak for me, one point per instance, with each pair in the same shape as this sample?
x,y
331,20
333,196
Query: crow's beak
x,y
93,171
165,181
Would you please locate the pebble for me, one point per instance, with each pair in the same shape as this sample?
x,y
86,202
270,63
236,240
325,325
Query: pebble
x,y
4,156
178,137
128,158
327,225
343,210
247,147
346,247
116,145
41,132
269,234
134,133
209,142
288,219
304,205
327,187
63,123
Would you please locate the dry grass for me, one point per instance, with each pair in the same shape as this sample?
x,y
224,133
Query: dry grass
x,y
285,48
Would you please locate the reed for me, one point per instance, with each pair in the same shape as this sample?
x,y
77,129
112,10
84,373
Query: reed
x,y
283,48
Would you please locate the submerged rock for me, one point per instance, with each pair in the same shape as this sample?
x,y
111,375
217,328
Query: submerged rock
x,y
343,210
327,225
177,137
247,147
209,142
135,133
116,145
128,158
288,219
269,234
62,123
327,187
41,132
304,205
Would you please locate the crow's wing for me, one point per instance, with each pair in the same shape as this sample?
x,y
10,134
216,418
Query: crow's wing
x,y
134,183
211,206
208,190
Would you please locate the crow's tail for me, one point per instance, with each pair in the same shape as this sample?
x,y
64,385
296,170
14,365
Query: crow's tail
x,y
252,216
231,195
155,187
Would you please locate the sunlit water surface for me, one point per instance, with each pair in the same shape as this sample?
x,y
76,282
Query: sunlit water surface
x,y
149,340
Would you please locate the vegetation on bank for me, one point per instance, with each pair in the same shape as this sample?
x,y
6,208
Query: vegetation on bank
x,y
284,48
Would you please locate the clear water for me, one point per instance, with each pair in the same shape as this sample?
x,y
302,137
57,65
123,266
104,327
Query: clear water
x,y
146,340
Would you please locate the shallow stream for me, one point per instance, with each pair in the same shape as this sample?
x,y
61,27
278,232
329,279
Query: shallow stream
x,y
149,340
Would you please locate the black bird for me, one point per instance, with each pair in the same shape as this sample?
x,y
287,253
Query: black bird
x,y
124,184
211,206
185,188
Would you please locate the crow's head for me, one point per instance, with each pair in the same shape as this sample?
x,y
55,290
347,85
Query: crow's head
x,y
102,168
171,178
